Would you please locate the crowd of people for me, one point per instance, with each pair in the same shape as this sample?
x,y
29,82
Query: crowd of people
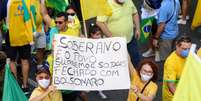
x,y
23,37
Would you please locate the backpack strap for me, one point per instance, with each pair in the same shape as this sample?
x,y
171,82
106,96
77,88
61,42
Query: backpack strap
x,y
172,13
143,89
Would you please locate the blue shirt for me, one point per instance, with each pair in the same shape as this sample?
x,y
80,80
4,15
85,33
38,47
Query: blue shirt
x,y
166,10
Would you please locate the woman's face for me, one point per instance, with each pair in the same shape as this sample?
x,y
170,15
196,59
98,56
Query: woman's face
x,y
146,70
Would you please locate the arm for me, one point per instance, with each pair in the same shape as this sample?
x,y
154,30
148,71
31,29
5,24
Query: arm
x,y
149,97
131,68
145,98
104,28
171,87
42,96
136,22
47,19
160,29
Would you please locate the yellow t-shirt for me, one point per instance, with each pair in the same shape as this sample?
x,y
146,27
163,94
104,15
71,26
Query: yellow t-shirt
x,y
120,23
19,33
173,68
150,89
56,96
71,30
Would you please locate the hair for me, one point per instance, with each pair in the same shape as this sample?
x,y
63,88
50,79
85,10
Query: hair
x,y
44,69
60,14
70,7
181,39
153,66
93,28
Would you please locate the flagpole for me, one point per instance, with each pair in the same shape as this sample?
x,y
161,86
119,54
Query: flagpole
x,y
83,19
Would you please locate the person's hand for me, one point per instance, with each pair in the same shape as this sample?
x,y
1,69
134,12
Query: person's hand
x,y
51,88
155,43
135,89
137,34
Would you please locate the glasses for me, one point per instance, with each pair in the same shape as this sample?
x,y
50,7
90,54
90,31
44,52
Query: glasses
x,y
58,22
147,72
41,77
72,14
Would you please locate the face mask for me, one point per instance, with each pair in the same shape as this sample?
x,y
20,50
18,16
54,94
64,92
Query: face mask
x,y
145,78
44,83
70,18
184,53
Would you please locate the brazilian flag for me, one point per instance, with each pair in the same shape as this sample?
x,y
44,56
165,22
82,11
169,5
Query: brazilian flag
x,y
146,29
58,5
11,90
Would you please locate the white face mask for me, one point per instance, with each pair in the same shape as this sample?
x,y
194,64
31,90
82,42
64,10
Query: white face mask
x,y
70,18
44,83
145,78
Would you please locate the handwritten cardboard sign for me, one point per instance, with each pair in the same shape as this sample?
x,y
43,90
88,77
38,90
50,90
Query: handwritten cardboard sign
x,y
90,64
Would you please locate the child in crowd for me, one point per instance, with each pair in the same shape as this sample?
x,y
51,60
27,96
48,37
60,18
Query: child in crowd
x,y
45,91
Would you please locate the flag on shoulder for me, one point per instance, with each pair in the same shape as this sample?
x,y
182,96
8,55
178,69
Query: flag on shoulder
x,y
146,29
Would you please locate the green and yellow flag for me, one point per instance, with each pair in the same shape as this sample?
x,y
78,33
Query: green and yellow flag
x,y
146,29
11,90
189,88
59,5
93,8
28,16
197,16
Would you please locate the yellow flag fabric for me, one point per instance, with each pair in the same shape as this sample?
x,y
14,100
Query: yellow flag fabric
x,y
93,8
20,23
189,88
197,16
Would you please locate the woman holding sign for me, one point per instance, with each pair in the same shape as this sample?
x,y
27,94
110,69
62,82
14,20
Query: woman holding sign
x,y
143,81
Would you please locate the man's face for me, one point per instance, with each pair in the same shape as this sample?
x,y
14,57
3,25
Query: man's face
x,y
60,23
183,46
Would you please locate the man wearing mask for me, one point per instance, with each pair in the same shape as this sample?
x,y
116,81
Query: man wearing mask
x,y
173,67
121,23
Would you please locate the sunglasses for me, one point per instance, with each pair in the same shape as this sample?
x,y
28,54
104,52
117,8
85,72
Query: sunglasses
x,y
72,14
41,77
58,22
